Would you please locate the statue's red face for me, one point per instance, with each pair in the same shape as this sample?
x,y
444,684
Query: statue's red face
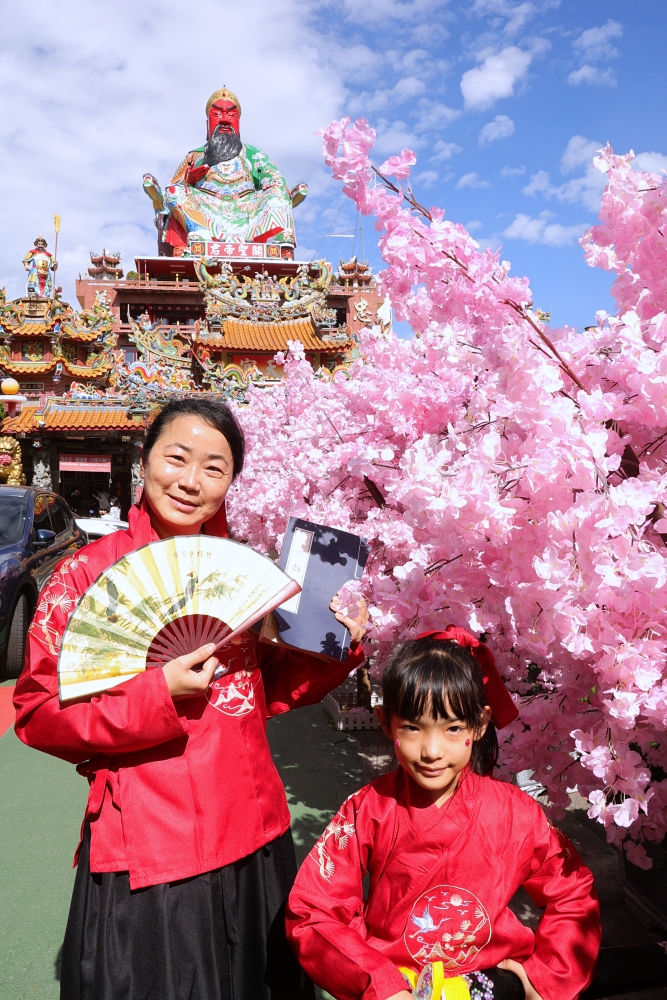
x,y
224,113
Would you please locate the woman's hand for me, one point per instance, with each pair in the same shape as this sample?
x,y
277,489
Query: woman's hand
x,y
183,680
511,966
355,626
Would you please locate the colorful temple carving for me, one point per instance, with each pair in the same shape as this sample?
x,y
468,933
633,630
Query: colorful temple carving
x,y
208,313
44,342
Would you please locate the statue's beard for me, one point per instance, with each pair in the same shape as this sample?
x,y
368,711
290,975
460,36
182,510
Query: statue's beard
x,y
223,145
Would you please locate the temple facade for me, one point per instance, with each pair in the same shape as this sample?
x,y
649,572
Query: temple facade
x,y
92,376
209,312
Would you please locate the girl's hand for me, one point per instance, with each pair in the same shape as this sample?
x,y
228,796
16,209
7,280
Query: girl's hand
x,y
511,966
183,680
355,626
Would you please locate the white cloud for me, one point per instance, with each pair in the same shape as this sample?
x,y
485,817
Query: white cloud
x,y
495,78
395,136
100,102
473,225
433,116
444,151
471,180
512,171
427,178
593,76
500,128
593,45
540,230
540,183
516,15
585,189
405,89
653,162
579,152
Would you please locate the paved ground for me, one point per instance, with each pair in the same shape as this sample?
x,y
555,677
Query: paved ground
x,y
41,805
42,801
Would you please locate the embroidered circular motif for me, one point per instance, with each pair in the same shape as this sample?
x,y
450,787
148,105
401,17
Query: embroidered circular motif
x,y
232,690
447,924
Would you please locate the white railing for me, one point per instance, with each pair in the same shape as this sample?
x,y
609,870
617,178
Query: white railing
x,y
349,718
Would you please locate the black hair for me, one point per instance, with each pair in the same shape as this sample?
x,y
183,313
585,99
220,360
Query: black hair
x,y
213,412
436,677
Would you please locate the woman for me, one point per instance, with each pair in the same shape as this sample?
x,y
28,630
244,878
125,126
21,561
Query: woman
x,y
186,858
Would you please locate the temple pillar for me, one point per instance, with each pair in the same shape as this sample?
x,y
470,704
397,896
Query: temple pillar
x,y
136,482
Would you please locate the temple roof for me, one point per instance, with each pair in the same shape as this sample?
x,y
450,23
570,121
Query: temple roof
x,y
41,328
43,367
70,415
239,335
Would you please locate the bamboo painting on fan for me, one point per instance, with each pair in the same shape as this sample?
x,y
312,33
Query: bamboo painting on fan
x,y
161,601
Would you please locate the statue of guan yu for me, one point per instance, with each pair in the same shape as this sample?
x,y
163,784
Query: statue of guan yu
x,y
226,191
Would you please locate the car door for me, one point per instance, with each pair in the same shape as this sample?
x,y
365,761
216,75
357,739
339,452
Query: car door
x,y
45,556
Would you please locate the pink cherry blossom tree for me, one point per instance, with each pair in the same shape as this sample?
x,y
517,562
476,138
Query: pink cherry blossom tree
x,y
510,478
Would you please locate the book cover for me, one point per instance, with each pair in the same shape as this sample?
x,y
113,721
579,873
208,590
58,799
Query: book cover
x,y
321,560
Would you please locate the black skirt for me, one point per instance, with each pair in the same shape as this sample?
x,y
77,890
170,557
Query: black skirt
x,y
217,936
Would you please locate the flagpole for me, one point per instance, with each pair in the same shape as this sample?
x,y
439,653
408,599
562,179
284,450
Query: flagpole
x,y
56,225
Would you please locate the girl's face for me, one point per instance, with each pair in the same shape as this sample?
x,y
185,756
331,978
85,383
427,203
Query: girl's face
x,y
186,476
433,751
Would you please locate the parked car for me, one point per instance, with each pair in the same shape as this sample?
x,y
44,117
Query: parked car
x,y
97,527
37,530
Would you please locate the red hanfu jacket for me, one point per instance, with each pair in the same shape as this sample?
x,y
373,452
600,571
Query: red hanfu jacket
x,y
440,882
181,788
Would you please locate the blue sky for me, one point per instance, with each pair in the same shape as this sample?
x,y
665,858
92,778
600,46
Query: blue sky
x,y
503,102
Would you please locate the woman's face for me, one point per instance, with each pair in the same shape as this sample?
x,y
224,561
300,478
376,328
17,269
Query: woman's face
x,y
186,476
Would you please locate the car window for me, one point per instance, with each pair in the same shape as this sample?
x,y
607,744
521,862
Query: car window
x,y
67,514
57,517
40,518
12,518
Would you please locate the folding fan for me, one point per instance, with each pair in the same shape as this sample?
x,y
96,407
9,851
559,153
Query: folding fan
x,y
161,601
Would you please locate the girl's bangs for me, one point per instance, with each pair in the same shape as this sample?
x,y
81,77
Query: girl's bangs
x,y
426,689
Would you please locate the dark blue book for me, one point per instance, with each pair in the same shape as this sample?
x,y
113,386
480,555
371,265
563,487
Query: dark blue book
x,y
321,559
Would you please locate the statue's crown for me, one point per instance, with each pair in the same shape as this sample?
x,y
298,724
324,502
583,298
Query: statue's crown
x,y
40,240
220,95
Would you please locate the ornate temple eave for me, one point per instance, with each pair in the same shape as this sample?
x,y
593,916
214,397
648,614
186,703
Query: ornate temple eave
x,y
28,328
43,367
59,416
29,367
244,335
39,331
82,336
90,372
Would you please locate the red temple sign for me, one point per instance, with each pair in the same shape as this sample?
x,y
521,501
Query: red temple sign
x,y
250,250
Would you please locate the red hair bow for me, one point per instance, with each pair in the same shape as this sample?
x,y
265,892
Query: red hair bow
x,y
503,709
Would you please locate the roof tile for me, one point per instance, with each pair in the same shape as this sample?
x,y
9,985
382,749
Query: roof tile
x,y
241,335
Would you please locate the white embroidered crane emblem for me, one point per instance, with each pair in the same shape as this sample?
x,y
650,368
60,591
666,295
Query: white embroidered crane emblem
x,y
341,831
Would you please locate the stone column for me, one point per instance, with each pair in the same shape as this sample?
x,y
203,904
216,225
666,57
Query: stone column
x,y
41,469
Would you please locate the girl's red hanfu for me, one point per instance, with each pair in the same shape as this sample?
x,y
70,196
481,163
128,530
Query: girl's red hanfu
x,y
177,789
440,883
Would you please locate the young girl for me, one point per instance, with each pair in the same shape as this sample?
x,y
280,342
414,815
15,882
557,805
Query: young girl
x,y
446,847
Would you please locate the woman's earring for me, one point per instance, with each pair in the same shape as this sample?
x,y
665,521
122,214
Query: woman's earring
x,y
467,743
397,743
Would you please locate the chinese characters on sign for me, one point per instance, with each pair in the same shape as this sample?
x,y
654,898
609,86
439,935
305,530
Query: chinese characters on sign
x,y
217,249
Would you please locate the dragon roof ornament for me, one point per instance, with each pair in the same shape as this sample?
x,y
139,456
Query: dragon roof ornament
x,y
265,298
